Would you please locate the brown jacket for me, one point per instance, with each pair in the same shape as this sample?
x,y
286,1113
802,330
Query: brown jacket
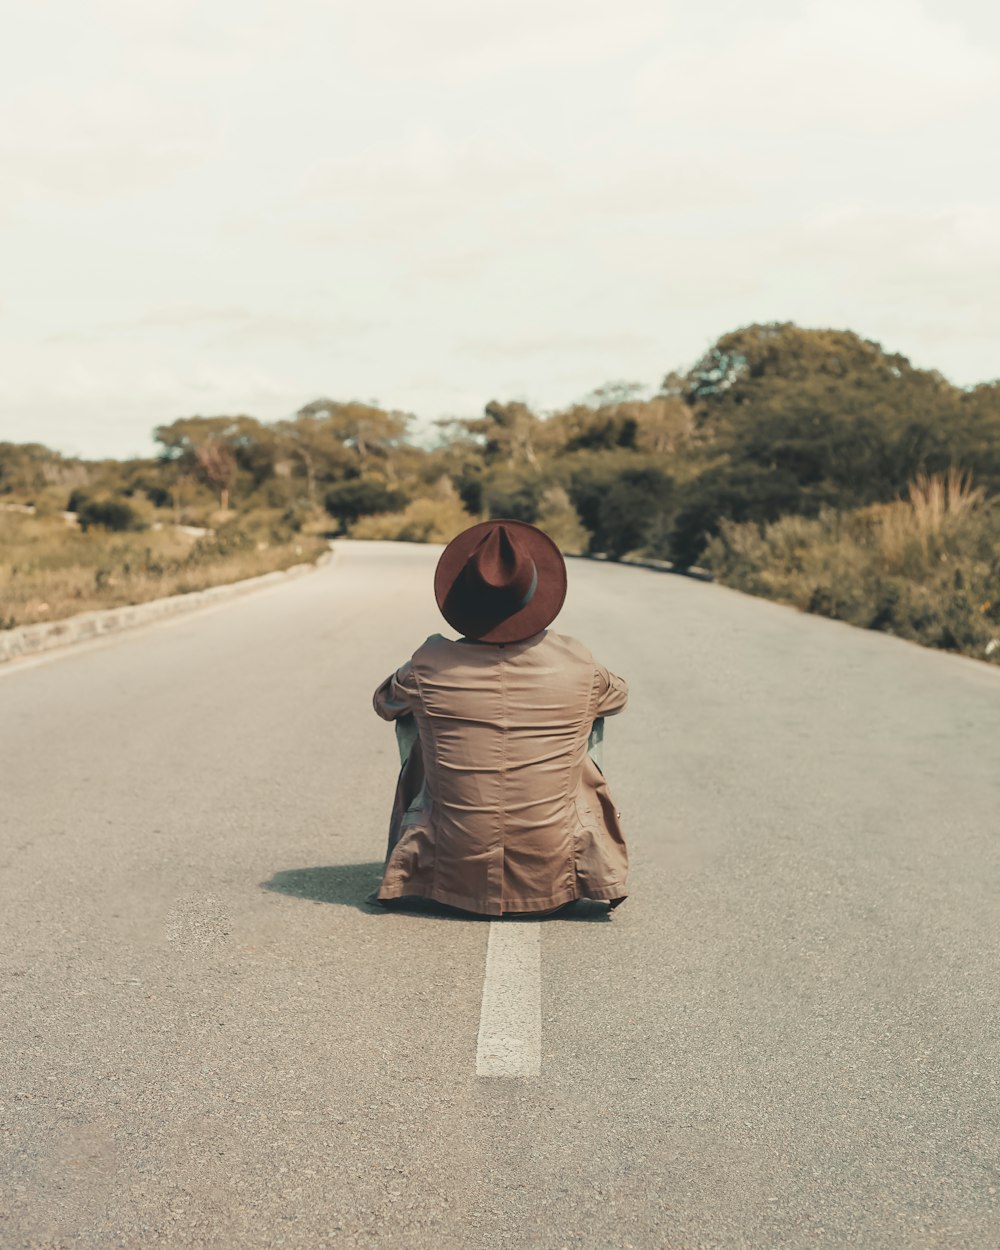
x,y
499,807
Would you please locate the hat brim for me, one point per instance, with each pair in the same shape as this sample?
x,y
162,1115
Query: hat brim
x,y
541,609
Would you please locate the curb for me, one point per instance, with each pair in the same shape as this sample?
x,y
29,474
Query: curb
x,y
27,640
659,566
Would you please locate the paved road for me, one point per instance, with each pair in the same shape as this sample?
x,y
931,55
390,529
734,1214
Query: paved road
x,y
787,1037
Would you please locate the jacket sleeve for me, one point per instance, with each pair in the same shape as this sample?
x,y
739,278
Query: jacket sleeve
x,y
398,694
610,692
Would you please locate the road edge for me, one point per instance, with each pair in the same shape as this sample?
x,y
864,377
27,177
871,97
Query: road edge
x,y
28,640
639,562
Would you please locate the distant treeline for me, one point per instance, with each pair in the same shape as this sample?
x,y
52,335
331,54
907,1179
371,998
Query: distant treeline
x,y
774,422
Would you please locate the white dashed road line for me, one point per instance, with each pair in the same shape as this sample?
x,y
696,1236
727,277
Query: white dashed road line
x,y
510,1022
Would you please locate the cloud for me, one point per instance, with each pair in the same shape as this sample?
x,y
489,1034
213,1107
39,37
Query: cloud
x,y
235,325
556,345
423,172
238,205
104,140
181,40
107,403
929,279
494,37
870,64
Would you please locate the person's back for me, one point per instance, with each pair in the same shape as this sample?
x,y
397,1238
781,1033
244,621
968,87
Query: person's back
x,y
500,807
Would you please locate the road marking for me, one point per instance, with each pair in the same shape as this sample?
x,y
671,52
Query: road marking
x,y
510,1022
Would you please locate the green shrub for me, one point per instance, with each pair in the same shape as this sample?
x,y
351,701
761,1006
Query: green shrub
x,y
111,514
159,496
731,493
559,519
626,507
470,485
637,511
48,503
274,492
925,568
299,513
239,535
506,494
348,501
431,520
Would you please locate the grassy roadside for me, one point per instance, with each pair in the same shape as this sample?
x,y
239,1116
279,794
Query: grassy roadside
x,y
925,568
50,570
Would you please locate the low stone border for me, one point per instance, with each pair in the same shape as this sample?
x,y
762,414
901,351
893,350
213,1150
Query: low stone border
x,y
661,566
46,635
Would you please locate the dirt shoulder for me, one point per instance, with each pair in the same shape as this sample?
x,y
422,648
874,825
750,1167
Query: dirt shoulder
x,y
50,571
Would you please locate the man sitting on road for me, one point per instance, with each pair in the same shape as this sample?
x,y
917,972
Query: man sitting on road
x,y
499,806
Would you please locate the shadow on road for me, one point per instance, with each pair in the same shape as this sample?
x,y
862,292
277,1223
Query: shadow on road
x,y
351,885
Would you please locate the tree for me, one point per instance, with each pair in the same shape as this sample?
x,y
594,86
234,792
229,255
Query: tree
x,y
615,415
835,414
28,468
508,432
209,449
370,431
316,446
611,394
975,434
664,424
459,457
583,428
216,463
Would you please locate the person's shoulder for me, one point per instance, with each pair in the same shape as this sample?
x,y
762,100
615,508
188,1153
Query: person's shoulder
x,y
432,645
569,645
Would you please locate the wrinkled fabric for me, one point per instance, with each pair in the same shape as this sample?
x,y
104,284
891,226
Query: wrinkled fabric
x,y
499,806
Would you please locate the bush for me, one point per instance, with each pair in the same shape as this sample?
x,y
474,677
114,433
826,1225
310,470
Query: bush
x,y
299,513
507,494
559,519
925,568
637,511
433,520
625,508
735,493
159,496
360,497
257,527
110,514
48,503
470,486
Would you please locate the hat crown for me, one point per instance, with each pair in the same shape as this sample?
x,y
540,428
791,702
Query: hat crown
x,y
500,568
500,580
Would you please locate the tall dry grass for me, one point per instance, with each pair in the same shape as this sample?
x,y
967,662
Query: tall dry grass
x,y
925,567
934,507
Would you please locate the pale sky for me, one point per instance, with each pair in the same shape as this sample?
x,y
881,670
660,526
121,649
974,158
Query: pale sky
x,y
228,206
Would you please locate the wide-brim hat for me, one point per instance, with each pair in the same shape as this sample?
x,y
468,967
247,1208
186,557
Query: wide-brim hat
x,y
500,581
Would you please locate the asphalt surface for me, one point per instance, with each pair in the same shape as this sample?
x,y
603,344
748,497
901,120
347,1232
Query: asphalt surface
x,y
787,1036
